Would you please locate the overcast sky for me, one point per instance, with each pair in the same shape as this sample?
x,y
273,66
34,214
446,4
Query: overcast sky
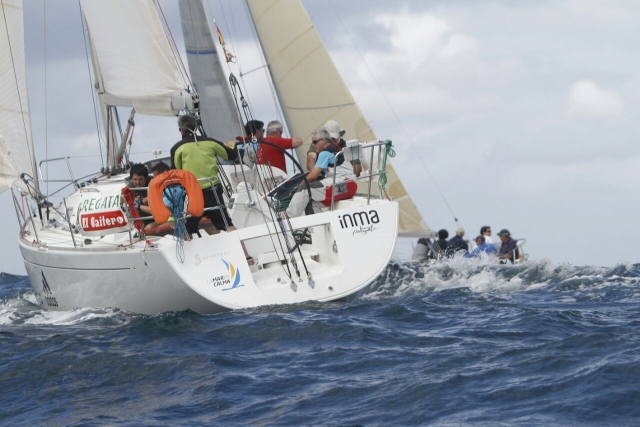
x,y
525,113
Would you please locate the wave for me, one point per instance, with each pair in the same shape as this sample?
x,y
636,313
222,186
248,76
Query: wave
x,y
483,276
620,283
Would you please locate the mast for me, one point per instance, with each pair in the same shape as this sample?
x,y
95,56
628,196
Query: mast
x,y
218,109
311,91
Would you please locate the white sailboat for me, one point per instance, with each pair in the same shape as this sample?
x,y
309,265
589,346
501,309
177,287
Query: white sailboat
x,y
87,251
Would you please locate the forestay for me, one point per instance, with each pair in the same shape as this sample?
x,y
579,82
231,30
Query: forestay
x,y
133,60
15,125
311,90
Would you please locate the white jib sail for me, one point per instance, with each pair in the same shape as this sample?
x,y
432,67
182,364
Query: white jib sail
x,y
15,125
311,91
134,57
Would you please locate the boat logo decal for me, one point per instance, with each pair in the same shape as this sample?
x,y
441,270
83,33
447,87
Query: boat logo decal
x,y
233,278
199,258
46,296
102,214
361,223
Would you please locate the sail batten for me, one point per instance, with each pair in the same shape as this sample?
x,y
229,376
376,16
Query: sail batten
x,y
311,90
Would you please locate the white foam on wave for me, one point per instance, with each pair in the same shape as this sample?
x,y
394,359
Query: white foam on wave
x,y
74,317
13,310
25,310
485,276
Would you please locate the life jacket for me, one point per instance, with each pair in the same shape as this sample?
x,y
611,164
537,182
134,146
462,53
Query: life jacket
x,y
333,148
159,210
343,189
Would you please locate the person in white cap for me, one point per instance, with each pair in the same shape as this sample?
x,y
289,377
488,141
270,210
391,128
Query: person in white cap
x,y
321,176
336,133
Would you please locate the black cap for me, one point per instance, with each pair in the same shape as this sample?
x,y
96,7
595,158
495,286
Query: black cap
x,y
504,232
481,238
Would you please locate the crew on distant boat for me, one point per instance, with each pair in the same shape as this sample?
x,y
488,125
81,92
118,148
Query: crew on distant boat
x,y
481,246
321,176
457,243
421,250
508,248
442,242
271,155
139,177
485,231
427,249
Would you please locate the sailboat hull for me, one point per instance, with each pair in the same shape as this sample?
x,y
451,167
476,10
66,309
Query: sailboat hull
x,y
350,247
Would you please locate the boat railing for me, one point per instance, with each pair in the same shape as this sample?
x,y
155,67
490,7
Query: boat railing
x,y
57,159
209,209
356,152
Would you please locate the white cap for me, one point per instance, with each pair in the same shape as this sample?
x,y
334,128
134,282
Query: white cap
x,y
334,129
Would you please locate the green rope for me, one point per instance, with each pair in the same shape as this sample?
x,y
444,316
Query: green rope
x,y
279,205
388,151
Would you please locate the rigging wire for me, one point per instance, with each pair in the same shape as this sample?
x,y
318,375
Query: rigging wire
x,y
239,99
46,109
407,134
93,95
265,67
174,47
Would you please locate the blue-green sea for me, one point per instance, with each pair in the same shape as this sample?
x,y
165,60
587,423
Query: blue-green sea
x,y
457,343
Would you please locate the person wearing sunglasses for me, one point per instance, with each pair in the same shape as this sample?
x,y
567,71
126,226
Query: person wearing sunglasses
x,y
321,176
485,231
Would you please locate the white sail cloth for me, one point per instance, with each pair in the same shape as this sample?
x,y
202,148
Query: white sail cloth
x,y
312,92
133,60
15,126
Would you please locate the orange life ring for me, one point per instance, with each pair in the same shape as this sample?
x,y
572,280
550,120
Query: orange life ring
x,y
185,178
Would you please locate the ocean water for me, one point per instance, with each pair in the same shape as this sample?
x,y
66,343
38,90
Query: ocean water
x,y
459,343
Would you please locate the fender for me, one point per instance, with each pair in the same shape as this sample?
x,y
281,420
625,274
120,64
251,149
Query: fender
x,y
185,178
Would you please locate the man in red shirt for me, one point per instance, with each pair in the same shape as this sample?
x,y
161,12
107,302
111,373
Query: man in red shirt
x,y
272,155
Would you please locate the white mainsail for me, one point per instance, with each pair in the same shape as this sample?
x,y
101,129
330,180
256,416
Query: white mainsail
x,y
133,59
218,110
16,153
311,90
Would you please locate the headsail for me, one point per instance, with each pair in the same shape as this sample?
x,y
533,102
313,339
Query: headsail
x,y
311,90
15,125
217,107
133,59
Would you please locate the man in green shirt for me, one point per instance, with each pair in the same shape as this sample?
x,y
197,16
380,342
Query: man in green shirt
x,y
198,156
